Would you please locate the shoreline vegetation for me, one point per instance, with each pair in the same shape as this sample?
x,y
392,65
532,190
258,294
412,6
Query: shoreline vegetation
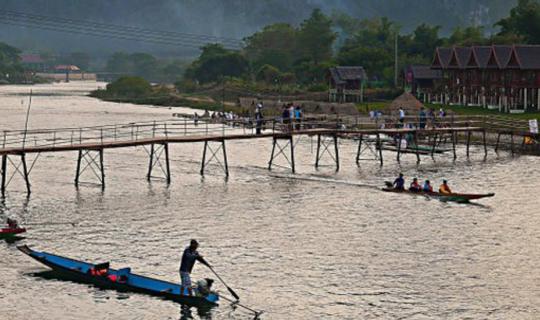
x,y
225,98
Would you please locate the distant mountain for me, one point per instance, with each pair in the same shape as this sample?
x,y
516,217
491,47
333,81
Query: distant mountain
x,y
229,18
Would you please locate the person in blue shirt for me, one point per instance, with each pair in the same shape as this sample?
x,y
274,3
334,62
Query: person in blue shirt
x,y
427,187
188,261
399,183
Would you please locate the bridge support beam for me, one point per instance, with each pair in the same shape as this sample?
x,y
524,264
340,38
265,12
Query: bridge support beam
x,y
373,147
91,160
24,172
281,151
214,156
325,143
156,153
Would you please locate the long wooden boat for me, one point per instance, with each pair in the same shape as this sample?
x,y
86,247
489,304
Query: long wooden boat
x,y
120,280
455,197
10,233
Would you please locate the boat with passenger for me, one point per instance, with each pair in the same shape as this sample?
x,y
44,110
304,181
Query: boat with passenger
x,y
102,276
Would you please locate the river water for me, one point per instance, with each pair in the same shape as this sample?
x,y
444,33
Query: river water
x,y
315,245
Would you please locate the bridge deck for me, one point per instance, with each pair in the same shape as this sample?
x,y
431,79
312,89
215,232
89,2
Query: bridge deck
x,y
110,144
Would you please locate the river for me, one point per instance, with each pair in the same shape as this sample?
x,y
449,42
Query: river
x,y
315,245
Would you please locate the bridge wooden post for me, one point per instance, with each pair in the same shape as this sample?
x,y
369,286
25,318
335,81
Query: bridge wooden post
x,y
78,170
318,151
468,142
102,169
497,143
379,145
204,157
151,163
336,150
454,138
416,146
398,147
359,149
485,143
167,162
4,173
434,146
225,162
291,142
25,173
272,154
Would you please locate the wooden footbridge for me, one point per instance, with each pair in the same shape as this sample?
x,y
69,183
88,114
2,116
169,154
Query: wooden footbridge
x,y
91,142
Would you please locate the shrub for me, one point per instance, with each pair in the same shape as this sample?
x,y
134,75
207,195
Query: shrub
x,y
131,87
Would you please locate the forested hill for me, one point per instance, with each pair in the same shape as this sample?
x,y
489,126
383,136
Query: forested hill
x,y
234,18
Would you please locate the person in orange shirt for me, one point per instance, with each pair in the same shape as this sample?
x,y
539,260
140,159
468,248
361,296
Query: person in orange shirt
x,y
444,188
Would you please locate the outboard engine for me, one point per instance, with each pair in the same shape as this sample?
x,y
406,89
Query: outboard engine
x,y
204,286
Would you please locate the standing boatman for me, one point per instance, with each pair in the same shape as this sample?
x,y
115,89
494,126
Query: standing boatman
x,y
188,261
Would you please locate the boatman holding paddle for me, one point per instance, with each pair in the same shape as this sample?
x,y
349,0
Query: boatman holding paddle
x,y
188,261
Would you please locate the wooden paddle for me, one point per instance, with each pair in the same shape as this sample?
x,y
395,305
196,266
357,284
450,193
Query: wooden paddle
x,y
228,288
236,303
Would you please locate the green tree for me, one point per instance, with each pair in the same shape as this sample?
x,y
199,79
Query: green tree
x,y
316,37
469,36
524,22
424,40
275,45
216,62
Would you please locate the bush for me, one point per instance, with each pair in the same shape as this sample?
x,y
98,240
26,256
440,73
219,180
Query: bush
x,y
186,86
130,87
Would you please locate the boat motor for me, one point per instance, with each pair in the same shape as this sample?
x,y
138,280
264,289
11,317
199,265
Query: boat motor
x,y
204,286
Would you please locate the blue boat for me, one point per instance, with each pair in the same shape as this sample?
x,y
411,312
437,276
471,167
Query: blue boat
x,y
100,275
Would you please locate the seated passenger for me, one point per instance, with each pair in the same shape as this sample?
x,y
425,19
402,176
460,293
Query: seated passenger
x,y
415,186
444,188
399,183
427,187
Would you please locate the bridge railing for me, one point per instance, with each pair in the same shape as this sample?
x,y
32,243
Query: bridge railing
x,y
20,139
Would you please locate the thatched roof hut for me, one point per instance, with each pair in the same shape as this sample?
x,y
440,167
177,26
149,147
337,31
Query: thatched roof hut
x,y
408,102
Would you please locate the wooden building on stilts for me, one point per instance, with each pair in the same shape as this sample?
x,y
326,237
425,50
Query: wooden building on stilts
x,y
506,78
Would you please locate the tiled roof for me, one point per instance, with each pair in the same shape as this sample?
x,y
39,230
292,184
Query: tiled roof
x,y
343,74
425,72
528,57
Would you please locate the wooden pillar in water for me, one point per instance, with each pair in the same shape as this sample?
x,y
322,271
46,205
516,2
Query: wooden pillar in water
x,y
225,161
78,172
271,155
434,146
167,163
485,143
25,173
318,151
292,153
416,146
468,142
454,138
379,145
497,143
102,169
151,163
359,149
4,174
336,150
398,147
203,163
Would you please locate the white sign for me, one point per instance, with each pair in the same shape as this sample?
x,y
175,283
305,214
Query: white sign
x,y
533,126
